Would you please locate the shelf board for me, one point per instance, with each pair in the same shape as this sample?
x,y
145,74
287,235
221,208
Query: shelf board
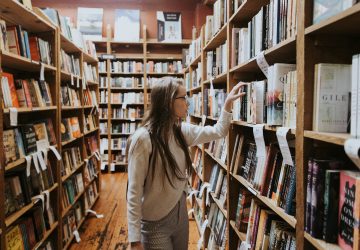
x,y
222,164
217,201
114,42
217,79
242,236
196,89
46,235
183,43
164,74
121,134
66,76
67,45
64,178
218,39
193,166
340,24
320,244
70,141
212,118
247,10
14,164
128,56
17,13
284,51
89,58
65,108
91,131
163,57
126,74
30,110
266,127
92,83
335,138
268,202
14,61
129,104
196,60
126,119
120,163
126,89
88,106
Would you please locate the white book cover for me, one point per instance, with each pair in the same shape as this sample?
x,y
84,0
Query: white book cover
x,y
89,22
358,101
331,98
354,95
169,26
127,25
324,9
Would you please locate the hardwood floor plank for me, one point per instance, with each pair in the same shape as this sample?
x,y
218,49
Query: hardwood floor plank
x,y
110,232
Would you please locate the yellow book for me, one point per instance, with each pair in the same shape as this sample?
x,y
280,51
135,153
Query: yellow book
x,y
13,239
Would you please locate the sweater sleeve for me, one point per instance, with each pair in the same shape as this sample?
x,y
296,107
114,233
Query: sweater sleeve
x,y
138,160
195,134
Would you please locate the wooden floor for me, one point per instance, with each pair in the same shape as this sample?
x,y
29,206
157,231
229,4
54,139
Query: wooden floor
x,y
110,232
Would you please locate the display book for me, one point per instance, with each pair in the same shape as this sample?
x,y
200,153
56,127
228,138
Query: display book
x,y
38,141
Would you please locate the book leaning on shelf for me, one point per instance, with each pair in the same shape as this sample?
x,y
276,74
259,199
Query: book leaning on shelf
x,y
217,223
70,129
28,139
18,41
24,93
90,73
72,187
69,97
216,61
69,63
29,230
216,21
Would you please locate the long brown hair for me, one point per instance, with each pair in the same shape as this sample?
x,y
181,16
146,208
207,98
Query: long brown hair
x,y
161,122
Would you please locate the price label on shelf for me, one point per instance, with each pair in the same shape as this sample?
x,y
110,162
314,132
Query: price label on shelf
x,y
13,116
262,63
28,164
77,236
56,153
203,120
99,216
42,72
284,145
258,131
352,149
190,211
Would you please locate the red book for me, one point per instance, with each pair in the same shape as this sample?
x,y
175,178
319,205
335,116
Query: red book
x,y
27,93
14,99
34,48
348,206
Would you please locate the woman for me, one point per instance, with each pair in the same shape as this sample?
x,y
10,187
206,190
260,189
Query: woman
x,y
158,167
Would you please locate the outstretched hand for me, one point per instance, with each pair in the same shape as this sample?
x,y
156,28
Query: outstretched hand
x,y
234,94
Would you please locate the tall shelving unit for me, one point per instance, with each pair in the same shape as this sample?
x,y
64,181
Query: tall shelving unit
x,y
142,51
35,22
333,40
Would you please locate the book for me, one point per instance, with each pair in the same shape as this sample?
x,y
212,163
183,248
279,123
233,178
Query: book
x,y
4,45
349,184
127,25
325,9
168,26
89,22
331,97
29,138
14,239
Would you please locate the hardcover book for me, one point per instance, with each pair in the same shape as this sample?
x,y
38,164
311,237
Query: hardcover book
x,y
127,25
169,26
89,22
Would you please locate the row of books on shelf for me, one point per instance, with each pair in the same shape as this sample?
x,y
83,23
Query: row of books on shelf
x,y
263,228
218,225
125,128
197,161
69,63
152,81
195,107
269,175
25,92
164,67
70,97
273,24
127,82
216,21
103,127
125,67
213,102
71,160
102,66
218,149
332,202
187,81
72,187
28,139
271,101
90,72
128,98
216,61
194,50
196,76
18,41
27,232
70,128
73,218
69,31
119,143
129,113
103,113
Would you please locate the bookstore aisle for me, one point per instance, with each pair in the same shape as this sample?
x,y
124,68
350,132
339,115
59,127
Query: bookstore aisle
x,y
110,232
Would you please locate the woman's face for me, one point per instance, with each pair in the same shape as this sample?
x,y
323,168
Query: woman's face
x,y
180,103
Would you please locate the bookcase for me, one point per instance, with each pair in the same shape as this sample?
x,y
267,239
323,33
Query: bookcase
x,y
127,72
36,170
332,40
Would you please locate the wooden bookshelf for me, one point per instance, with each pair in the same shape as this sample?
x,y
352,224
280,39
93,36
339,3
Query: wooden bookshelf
x,y
145,50
242,236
